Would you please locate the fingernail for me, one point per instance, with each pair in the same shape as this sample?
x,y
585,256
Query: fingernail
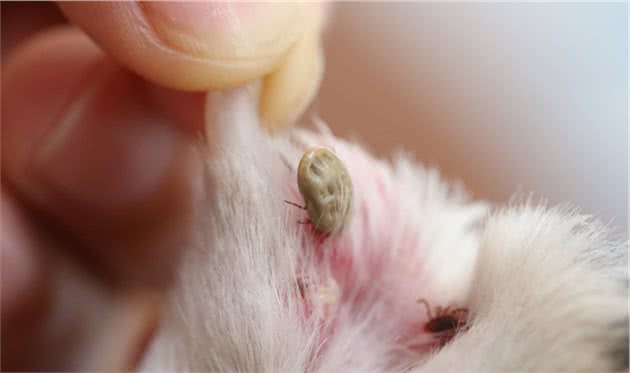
x,y
111,150
226,30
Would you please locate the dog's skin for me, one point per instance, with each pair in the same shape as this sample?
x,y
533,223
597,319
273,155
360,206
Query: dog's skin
x,y
545,288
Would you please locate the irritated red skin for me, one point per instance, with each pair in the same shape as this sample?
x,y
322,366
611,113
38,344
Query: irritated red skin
x,y
363,280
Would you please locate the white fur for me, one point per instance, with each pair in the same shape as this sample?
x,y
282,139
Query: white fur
x,y
546,288
550,295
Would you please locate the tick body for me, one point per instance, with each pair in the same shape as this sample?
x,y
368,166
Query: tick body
x,y
441,324
446,322
325,185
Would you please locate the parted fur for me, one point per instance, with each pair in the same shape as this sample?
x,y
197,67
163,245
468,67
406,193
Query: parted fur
x,y
546,288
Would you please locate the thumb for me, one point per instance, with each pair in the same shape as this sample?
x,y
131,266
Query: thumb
x,y
213,45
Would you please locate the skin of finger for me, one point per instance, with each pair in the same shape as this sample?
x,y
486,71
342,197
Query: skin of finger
x,y
20,20
287,92
66,318
35,114
184,109
21,267
131,240
124,31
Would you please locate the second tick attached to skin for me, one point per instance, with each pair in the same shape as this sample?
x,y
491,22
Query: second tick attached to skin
x,y
325,185
446,322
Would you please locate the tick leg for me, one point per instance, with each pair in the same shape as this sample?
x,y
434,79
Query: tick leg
x,y
321,238
461,314
459,311
426,305
443,311
294,204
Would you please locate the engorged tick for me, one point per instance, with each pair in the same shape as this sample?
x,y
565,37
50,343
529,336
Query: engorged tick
x,y
325,185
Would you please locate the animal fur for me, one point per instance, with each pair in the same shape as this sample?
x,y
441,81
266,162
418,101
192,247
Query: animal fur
x,y
546,288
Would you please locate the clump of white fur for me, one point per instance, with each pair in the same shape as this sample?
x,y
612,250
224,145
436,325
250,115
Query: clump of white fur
x,y
546,290
550,294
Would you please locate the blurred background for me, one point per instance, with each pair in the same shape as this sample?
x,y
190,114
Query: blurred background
x,y
504,97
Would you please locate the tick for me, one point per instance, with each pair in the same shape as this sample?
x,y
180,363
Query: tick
x,y
325,185
446,322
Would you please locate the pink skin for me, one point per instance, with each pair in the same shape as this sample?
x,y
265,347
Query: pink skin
x,y
358,257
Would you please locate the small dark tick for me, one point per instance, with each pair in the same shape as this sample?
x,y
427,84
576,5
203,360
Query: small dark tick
x,y
446,322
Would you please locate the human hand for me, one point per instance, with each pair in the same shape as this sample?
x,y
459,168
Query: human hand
x,y
97,160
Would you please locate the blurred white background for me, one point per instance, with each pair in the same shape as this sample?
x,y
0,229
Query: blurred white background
x,y
504,97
